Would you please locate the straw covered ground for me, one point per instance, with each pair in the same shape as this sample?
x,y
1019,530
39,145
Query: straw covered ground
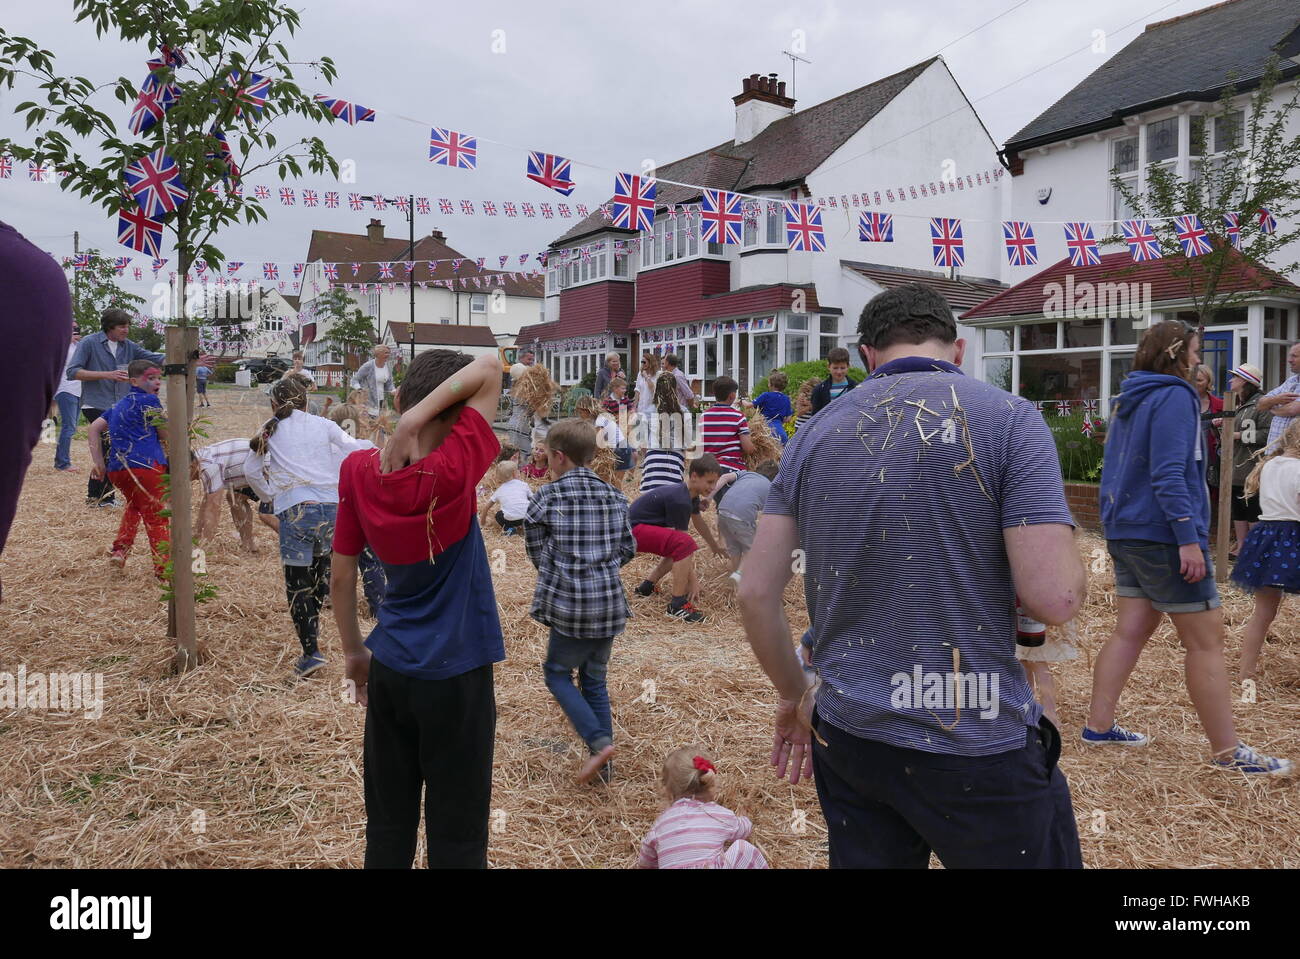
x,y
234,764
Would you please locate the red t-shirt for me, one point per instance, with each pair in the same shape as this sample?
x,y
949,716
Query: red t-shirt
x,y
418,512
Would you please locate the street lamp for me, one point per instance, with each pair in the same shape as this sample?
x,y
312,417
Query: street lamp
x,y
410,219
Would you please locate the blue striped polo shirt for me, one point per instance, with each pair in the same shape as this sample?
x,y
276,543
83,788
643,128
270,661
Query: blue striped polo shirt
x,y
904,556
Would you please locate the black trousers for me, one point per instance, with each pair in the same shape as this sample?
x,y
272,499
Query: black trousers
x,y
436,736
887,807
97,490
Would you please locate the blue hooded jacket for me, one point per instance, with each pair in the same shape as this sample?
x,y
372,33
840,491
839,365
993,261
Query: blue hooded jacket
x,y
1153,476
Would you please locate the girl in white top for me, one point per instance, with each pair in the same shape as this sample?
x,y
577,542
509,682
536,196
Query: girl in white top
x,y
645,386
1269,562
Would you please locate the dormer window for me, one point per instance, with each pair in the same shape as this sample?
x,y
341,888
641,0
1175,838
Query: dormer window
x,y
768,228
675,239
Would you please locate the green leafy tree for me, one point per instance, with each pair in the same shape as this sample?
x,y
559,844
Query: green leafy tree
x,y
94,290
347,329
1245,162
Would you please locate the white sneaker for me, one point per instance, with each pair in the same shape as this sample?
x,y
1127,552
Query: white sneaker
x,y
735,577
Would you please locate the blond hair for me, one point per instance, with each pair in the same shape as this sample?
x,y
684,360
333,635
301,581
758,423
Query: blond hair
x,y
681,778
587,406
507,469
1288,445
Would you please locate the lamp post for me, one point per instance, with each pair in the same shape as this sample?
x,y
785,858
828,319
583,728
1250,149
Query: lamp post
x,y
410,219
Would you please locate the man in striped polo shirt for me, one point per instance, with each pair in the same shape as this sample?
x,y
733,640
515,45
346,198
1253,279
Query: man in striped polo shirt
x,y
919,506
724,430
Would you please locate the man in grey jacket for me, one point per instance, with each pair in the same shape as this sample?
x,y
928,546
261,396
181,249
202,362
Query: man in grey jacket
x,y
100,362
375,379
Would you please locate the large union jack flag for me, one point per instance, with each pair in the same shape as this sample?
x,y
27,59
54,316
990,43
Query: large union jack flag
x,y
1267,222
550,171
1232,227
721,216
155,181
453,149
140,232
1142,241
946,242
1082,244
875,227
633,205
1019,239
1191,235
803,228
152,103
349,112
249,91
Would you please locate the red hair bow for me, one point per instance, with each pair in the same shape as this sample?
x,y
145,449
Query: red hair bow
x,y
703,765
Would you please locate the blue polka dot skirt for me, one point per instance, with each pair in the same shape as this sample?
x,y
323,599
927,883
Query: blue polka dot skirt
x,y
1270,557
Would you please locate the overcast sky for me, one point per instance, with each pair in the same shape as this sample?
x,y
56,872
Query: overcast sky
x,y
606,84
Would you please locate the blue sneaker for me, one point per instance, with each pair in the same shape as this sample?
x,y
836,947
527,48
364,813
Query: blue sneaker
x,y
1117,735
1246,760
510,531
306,665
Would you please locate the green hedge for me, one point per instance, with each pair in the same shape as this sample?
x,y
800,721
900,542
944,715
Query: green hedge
x,y
224,373
814,369
1080,455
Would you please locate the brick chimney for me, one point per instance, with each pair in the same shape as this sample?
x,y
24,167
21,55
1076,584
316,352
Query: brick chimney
x,y
438,235
375,231
762,101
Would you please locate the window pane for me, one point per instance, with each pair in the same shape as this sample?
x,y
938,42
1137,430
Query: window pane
x,y
1082,333
997,372
831,324
711,358
764,355
1123,332
796,348
683,231
997,339
1121,364
751,233
1197,133
1228,131
775,223
797,321
1123,210
1060,376
1124,156
828,343
1162,140
1275,367
693,237
1272,323
1038,336
659,241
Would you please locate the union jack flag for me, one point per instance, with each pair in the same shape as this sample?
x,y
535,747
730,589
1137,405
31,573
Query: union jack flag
x,y
38,172
563,210
270,271
385,271
155,181
379,203
422,205
1232,226
81,261
1142,241
455,264
1063,408
1087,428
1267,222
6,167
489,208
546,210
946,241
234,267
467,207
157,264
172,56
875,227
286,196
479,263
152,104
309,198
721,216
297,270
1191,235
349,112
331,200
1019,239
523,258
356,268
582,209
453,149
262,192
1091,408
503,261
200,267
331,271
355,201
803,228
137,273
250,91
221,151
1082,244
409,265
120,263
528,209
633,206
550,171
142,233
402,203
445,207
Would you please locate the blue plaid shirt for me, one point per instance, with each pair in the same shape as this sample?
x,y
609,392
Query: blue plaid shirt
x,y
578,536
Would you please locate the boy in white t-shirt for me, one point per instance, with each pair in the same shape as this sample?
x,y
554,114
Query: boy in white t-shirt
x,y
512,495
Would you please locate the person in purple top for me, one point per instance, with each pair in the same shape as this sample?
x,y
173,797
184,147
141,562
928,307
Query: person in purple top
x,y
918,505
37,315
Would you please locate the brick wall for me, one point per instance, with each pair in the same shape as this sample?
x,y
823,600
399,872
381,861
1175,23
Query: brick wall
x,y
1082,498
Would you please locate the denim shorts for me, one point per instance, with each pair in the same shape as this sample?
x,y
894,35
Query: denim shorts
x,y
1149,570
306,532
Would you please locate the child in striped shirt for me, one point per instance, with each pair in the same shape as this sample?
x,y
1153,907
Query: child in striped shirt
x,y
724,430
693,832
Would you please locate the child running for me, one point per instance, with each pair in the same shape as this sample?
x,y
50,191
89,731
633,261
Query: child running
x,y
724,430
219,467
137,461
775,405
578,536
426,681
739,498
659,519
512,496
294,463
668,437
1267,565
694,831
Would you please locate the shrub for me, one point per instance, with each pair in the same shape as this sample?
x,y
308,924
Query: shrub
x,y
588,382
814,369
224,373
1080,455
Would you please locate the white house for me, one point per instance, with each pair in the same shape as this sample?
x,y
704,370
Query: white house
x,y
910,145
1137,111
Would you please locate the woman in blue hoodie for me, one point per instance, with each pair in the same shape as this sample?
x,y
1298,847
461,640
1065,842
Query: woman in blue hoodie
x,y
1155,512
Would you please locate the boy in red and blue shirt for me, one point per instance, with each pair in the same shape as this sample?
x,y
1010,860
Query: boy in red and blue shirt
x,y
425,672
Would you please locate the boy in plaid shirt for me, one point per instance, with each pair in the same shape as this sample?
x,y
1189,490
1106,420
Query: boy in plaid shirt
x,y
578,536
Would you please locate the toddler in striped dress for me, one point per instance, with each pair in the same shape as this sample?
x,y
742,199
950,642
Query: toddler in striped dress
x,y
694,831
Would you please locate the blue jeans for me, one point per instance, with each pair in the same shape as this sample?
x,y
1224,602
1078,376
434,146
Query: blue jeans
x,y
306,532
1149,570
69,414
587,704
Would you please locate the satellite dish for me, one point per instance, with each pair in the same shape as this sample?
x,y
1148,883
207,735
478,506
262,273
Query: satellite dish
x,y
1044,194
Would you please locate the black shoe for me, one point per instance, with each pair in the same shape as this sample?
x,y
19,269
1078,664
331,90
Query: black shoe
x,y
685,612
646,588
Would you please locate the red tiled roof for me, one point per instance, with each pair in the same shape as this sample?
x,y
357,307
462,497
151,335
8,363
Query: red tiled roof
x,y
329,246
783,154
1028,298
536,332
961,293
